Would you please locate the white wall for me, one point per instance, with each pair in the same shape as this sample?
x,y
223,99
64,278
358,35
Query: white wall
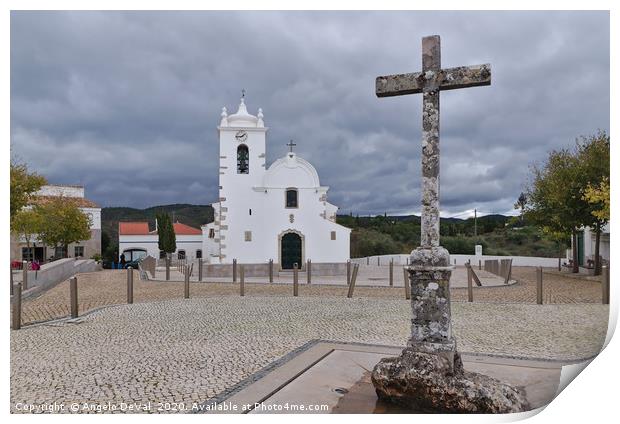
x,y
189,243
95,216
59,190
462,259
210,248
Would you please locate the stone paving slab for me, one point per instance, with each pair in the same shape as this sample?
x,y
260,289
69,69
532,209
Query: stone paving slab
x,y
193,350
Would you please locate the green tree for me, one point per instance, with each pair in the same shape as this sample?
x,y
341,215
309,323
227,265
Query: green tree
x,y
593,158
62,222
165,231
555,203
23,186
599,196
27,224
557,191
521,204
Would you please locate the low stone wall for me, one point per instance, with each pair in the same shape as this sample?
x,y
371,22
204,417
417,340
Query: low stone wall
x,y
262,270
403,259
54,272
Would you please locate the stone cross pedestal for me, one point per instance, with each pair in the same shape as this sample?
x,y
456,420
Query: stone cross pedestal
x,y
429,375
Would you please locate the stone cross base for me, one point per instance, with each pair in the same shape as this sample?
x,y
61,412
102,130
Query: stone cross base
x,y
431,328
430,383
429,375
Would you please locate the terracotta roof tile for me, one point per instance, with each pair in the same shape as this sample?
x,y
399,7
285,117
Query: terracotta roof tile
x,y
185,230
133,228
142,228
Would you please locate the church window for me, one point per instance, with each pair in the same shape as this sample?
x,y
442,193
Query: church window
x,y
198,254
333,235
181,254
291,198
248,236
250,211
243,159
211,233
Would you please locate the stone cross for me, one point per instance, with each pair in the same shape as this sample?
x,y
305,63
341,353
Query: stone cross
x,y
290,145
430,270
430,81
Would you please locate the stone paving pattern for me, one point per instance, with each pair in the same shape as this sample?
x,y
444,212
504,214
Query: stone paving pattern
x,y
109,287
192,350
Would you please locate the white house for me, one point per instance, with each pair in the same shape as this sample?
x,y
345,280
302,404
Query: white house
x,y
280,212
136,241
586,242
84,248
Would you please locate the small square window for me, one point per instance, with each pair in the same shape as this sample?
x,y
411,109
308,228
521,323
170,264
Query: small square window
x,y
333,235
248,236
78,251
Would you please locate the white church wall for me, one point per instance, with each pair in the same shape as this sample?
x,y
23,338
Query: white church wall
x,y
210,248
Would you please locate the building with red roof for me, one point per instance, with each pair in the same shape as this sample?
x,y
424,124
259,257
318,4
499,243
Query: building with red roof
x,y
137,240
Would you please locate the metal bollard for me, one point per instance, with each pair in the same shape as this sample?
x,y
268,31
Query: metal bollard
x,y
348,272
234,270
167,268
391,272
270,270
186,291
309,272
353,278
11,269
378,260
479,264
539,285
295,280
17,307
241,281
25,275
407,286
605,284
73,297
470,286
559,264
200,270
129,285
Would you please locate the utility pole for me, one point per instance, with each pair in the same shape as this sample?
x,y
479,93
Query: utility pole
x,y
475,223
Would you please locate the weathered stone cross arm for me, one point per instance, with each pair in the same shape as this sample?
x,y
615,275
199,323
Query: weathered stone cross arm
x,y
443,79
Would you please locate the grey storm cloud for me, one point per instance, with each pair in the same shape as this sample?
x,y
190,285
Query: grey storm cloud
x,y
127,103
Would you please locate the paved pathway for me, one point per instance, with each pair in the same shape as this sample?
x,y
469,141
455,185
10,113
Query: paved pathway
x,y
192,350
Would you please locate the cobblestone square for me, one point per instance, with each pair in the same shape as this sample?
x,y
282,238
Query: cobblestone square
x,y
179,350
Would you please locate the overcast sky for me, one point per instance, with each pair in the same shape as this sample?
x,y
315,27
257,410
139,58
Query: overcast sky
x,y
127,103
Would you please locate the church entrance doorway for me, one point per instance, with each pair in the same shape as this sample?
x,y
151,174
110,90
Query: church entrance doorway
x,y
291,246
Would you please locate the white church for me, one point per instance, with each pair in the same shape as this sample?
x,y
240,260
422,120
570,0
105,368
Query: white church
x,y
278,212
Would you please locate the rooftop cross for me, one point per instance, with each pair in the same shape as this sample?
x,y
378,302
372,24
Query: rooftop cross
x,y
290,145
430,81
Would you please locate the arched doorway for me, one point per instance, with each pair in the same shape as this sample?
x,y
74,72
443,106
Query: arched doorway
x,y
291,245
